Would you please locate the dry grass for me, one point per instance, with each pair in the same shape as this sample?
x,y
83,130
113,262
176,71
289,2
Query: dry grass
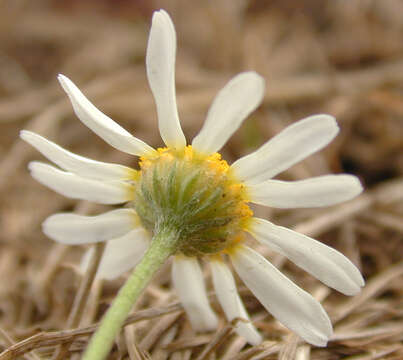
x,y
338,57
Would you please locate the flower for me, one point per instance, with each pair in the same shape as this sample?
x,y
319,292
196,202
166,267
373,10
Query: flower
x,y
190,189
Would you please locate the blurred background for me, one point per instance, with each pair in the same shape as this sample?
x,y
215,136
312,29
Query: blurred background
x,y
339,57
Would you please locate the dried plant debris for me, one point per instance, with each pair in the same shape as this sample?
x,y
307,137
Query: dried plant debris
x,y
339,58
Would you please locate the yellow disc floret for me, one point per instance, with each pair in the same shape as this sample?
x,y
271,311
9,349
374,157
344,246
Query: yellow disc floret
x,y
194,194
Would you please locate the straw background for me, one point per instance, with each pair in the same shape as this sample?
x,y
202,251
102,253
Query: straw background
x,y
339,57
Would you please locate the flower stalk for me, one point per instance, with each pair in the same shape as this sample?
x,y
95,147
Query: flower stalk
x,y
164,243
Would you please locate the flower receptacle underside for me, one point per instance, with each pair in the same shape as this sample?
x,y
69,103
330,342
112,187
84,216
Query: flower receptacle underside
x,y
194,195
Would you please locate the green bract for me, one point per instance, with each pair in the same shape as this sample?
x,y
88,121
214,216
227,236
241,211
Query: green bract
x,y
194,195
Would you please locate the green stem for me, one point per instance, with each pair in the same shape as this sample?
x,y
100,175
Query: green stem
x,y
163,244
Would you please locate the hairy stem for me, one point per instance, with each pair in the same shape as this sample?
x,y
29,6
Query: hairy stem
x,y
163,244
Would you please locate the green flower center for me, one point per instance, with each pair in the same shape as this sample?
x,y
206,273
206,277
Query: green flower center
x,y
193,194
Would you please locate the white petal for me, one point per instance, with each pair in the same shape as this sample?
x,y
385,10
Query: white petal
x,y
314,192
160,64
293,144
231,304
74,163
76,187
323,262
291,305
120,255
188,281
69,228
101,124
232,105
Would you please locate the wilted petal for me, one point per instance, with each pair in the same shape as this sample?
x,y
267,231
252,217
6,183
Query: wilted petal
x,y
160,64
76,187
69,228
231,304
101,124
120,255
232,105
291,305
188,281
74,163
314,192
328,265
293,144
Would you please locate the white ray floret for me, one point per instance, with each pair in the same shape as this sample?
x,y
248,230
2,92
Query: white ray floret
x,y
293,144
75,163
73,229
160,64
232,105
127,240
328,265
189,284
314,192
120,255
291,305
77,187
101,124
231,304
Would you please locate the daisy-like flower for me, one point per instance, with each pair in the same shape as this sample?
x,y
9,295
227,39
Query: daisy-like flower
x,y
196,203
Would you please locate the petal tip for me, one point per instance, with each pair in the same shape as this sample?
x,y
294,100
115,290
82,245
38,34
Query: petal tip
x,y
353,184
320,337
62,78
258,78
352,291
160,16
25,135
66,83
359,283
256,341
30,137
160,12
45,223
329,119
357,184
156,15
250,334
320,342
33,166
47,227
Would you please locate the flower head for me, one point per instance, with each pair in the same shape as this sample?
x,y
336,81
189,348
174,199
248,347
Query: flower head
x,y
193,192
